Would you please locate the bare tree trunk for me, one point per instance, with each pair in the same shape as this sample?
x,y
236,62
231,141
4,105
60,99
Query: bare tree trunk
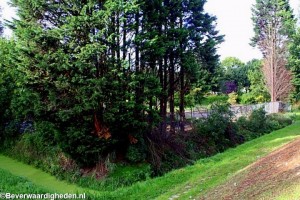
x,y
182,86
277,77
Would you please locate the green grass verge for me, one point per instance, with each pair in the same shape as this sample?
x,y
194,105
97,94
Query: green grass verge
x,y
207,173
13,184
291,193
184,183
38,177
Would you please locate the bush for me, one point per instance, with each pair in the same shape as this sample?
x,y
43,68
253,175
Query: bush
x,y
208,100
217,129
86,149
259,123
232,98
136,153
36,147
296,106
254,126
251,98
278,121
247,98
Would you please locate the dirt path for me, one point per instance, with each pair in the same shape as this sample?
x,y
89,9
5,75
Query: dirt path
x,y
265,179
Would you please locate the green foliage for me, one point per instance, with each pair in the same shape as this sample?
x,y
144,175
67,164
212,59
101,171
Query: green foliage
x,y
264,14
212,171
247,98
258,92
18,185
189,99
296,106
38,148
258,123
83,147
217,130
235,70
122,175
281,119
232,98
9,75
211,99
78,71
137,152
294,63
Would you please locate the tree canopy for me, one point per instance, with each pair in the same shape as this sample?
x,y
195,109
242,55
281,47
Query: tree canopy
x,y
105,73
274,24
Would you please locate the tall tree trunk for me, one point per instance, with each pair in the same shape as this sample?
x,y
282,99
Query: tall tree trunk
x,y
182,85
118,48
172,91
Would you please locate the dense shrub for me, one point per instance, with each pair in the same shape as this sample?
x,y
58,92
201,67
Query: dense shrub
x,y
231,86
296,106
166,151
258,123
232,98
278,120
137,152
247,98
86,149
208,100
252,98
37,147
217,129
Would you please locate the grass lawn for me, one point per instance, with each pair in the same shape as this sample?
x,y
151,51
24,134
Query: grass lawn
x,y
36,176
10,183
184,183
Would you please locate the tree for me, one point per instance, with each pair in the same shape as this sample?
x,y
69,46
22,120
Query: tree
x,y
258,91
274,23
75,78
180,38
102,71
9,79
234,73
294,64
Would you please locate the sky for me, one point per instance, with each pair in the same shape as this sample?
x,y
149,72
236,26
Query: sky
x,y
233,21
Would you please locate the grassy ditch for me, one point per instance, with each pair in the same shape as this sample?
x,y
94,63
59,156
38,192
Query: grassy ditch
x,y
184,183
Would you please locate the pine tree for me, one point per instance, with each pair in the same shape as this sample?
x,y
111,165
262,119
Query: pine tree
x,y
98,70
273,25
181,40
294,64
70,54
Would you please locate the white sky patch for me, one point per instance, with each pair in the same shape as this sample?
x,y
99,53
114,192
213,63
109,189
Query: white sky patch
x,y
234,21
7,14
